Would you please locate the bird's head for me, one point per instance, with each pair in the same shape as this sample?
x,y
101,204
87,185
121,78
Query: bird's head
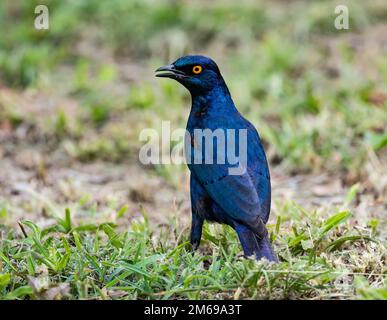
x,y
199,74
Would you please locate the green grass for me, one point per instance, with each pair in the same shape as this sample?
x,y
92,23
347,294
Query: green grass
x,y
321,257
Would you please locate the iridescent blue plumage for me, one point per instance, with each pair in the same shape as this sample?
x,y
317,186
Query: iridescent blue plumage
x,y
243,200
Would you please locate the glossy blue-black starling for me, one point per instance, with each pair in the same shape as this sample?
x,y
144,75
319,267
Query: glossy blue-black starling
x,y
240,199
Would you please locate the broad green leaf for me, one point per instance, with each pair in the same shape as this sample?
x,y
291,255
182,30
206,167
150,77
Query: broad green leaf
x,y
5,278
334,221
20,292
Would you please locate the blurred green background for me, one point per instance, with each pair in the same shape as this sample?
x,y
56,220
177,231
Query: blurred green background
x,y
317,94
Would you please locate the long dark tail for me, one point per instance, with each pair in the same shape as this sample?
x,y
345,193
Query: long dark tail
x,y
252,245
266,249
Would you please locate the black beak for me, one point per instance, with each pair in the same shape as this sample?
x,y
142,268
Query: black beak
x,y
169,71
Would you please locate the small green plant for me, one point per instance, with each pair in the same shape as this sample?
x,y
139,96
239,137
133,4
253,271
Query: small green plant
x,y
95,261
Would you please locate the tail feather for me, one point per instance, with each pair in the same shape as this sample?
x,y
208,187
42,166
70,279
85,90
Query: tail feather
x,y
266,249
252,245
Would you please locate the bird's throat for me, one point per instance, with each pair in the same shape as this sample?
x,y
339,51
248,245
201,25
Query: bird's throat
x,y
215,101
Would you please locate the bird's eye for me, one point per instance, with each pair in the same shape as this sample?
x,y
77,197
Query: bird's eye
x,y
197,69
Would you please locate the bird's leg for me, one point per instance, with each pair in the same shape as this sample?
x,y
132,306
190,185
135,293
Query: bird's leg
x,y
196,230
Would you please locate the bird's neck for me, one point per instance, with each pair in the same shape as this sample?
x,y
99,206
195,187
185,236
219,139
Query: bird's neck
x,y
215,101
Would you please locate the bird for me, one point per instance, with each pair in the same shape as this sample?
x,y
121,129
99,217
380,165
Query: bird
x,y
242,200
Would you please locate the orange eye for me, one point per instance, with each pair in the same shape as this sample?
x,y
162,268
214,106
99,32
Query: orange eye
x,y
197,69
